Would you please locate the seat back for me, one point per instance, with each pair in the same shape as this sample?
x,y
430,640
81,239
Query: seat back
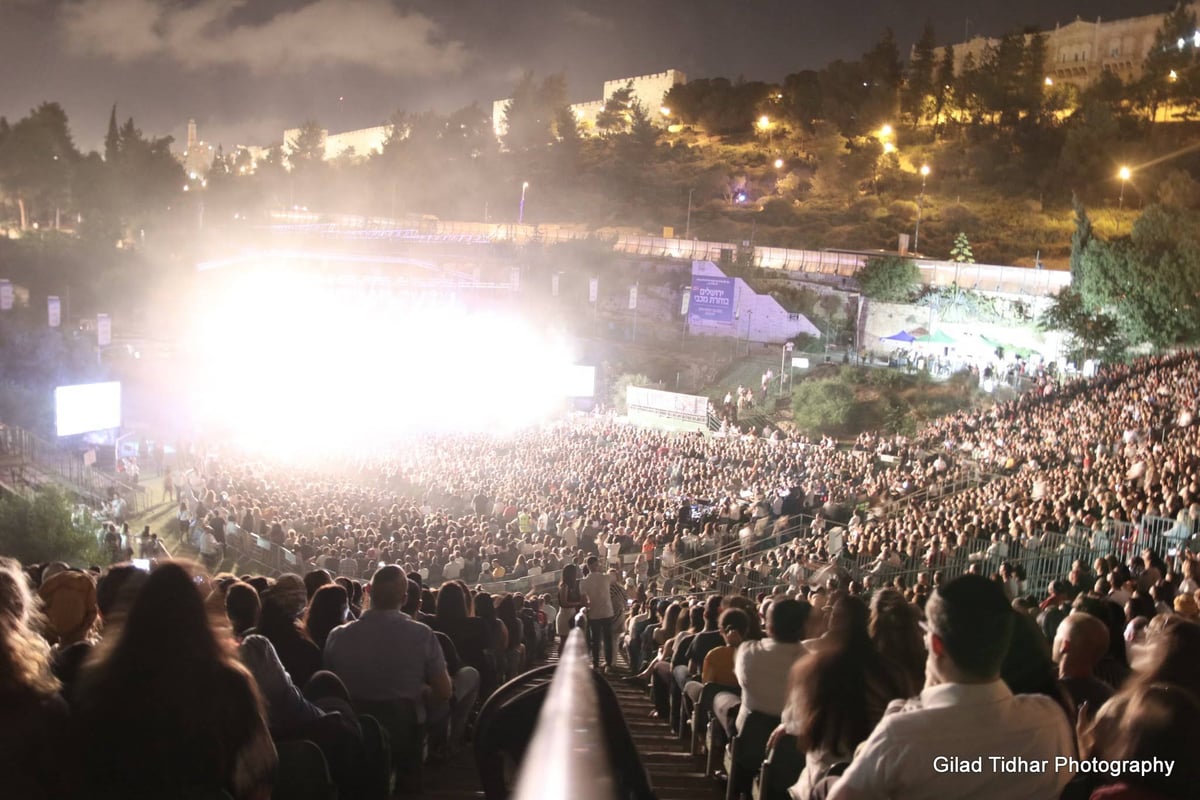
x,y
303,773
401,720
751,739
378,784
780,770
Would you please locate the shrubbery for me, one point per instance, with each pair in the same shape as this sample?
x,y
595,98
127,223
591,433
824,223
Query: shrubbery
x,y
43,529
858,398
890,278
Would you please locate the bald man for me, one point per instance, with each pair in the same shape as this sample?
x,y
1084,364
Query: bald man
x,y
1079,643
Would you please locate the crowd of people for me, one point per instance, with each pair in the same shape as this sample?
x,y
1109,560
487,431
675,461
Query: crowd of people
x,y
866,632
170,682
968,694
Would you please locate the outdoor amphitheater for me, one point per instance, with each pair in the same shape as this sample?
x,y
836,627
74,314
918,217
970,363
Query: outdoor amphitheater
x,y
347,593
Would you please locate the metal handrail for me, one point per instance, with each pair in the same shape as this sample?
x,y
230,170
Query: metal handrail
x,y
568,756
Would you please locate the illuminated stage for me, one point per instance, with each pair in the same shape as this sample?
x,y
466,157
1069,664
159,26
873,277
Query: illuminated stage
x,y
291,351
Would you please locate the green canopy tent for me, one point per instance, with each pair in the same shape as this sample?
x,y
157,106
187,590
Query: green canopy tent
x,y
936,338
1023,352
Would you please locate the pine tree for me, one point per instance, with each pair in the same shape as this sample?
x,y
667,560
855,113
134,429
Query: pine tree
x,y
919,85
943,84
112,139
961,252
1081,237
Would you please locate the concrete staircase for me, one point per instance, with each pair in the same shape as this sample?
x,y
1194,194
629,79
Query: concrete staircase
x,y
674,773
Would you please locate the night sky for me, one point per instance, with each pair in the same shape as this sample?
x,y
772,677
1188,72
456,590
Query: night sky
x,y
246,69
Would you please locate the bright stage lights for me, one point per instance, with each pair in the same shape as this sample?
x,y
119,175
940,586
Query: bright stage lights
x,y
287,363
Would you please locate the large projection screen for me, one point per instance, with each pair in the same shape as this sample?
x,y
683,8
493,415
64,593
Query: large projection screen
x,y
87,407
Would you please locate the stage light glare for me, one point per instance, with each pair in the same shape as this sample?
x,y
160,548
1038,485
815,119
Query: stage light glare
x,y
283,364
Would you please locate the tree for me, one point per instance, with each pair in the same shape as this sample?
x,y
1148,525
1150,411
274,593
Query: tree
x,y
307,149
1000,79
1179,190
1091,332
1148,281
822,406
617,113
1092,135
1165,57
531,112
961,251
889,278
1032,87
146,177
918,93
802,98
43,529
1081,238
944,84
884,73
112,139
969,86
36,158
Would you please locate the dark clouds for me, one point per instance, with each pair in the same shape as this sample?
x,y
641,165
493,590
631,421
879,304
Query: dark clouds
x,y
245,69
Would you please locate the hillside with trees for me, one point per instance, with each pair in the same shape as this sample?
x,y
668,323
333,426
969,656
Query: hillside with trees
x,y
827,158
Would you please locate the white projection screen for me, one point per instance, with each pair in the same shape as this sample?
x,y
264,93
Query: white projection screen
x,y
87,407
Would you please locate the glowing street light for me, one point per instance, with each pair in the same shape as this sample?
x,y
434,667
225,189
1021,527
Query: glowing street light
x,y
885,131
666,112
1049,81
1172,76
888,147
778,163
1124,174
764,122
521,208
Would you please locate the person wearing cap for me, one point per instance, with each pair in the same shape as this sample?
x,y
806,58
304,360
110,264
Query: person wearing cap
x,y
941,744
69,603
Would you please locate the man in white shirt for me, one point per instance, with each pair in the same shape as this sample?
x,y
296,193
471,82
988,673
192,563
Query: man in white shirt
x,y
596,587
762,666
966,735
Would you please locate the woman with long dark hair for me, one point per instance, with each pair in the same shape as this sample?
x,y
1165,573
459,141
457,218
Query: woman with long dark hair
x,y
279,622
32,714
329,608
469,635
895,630
166,708
570,600
838,693
485,609
514,654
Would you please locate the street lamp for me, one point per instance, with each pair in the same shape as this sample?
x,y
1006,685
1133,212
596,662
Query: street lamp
x,y
764,122
521,208
1124,174
779,163
920,204
885,131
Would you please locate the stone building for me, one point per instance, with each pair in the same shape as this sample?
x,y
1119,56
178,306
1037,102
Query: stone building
x,y
1080,52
